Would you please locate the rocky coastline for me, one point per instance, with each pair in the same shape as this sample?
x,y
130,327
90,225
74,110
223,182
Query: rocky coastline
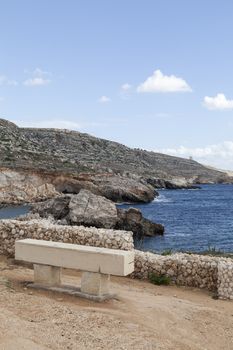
x,y
90,210
77,179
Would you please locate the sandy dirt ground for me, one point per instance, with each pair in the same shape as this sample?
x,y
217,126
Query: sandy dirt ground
x,y
144,317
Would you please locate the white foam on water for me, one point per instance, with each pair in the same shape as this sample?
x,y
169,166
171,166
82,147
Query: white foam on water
x,y
162,199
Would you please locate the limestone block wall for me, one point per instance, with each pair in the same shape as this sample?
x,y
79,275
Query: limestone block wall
x,y
12,230
212,273
225,280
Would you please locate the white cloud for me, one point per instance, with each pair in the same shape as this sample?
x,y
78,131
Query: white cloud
x,y
39,78
36,82
219,102
219,155
104,99
126,90
4,80
126,87
159,82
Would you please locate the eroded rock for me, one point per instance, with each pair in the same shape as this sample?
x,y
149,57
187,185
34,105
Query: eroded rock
x,y
123,189
133,220
56,207
88,209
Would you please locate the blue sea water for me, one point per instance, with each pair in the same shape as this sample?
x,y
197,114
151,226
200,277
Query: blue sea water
x,y
194,220
13,211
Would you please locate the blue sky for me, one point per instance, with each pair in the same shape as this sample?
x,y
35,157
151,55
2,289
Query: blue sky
x,y
154,74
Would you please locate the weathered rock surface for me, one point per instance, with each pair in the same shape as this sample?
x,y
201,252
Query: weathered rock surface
x,y
132,220
17,187
114,187
90,210
123,189
174,184
58,207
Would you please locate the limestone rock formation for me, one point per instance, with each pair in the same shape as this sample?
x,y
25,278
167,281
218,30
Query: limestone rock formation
x,y
114,187
174,184
132,220
58,207
123,189
18,187
90,210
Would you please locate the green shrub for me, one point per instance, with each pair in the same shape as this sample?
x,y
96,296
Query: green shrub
x,y
159,279
167,252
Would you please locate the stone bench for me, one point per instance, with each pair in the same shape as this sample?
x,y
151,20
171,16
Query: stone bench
x,y
97,265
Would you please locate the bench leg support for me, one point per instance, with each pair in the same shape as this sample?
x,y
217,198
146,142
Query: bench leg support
x,y
94,286
47,275
95,283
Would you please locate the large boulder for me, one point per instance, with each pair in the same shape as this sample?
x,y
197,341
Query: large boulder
x,y
58,207
123,189
132,220
87,209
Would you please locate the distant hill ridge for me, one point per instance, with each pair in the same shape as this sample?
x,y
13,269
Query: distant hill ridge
x,y
73,152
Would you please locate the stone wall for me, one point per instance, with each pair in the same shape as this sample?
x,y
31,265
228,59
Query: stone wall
x,y
225,280
183,269
12,230
212,273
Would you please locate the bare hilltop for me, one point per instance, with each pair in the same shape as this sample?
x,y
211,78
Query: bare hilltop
x,y
72,152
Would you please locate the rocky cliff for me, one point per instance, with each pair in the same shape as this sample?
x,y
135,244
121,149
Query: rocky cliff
x,y
72,152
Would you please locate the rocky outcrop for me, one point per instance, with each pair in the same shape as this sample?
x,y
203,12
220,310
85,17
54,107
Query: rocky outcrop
x,y
57,208
123,189
132,220
175,184
114,187
17,187
88,209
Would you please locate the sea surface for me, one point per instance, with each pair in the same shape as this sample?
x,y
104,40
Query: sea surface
x,y
12,212
194,220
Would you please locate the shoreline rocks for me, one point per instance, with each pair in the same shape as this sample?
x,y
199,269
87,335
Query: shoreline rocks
x,y
124,189
88,209
18,186
174,184
132,220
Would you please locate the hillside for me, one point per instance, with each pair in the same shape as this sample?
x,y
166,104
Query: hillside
x,y
72,152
